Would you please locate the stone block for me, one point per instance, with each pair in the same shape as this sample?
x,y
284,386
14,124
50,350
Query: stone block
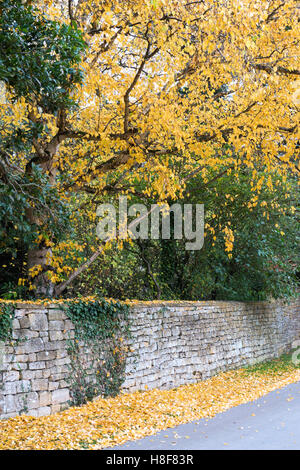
x,y
53,385
46,355
11,376
39,385
37,365
44,411
57,325
24,322
23,386
28,374
38,321
45,398
32,400
34,345
56,335
9,388
56,315
60,396
55,345
9,405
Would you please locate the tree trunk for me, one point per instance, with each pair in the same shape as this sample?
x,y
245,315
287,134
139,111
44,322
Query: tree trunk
x,y
42,284
40,254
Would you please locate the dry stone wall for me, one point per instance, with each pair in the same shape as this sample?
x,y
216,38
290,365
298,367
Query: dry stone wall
x,y
173,344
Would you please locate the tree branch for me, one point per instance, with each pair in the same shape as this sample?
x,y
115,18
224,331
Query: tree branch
x,y
269,68
61,287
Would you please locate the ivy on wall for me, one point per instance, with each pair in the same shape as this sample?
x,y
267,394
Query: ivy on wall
x,y
7,313
98,350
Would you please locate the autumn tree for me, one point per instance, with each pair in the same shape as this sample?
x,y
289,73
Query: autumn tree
x,y
168,85
38,70
250,250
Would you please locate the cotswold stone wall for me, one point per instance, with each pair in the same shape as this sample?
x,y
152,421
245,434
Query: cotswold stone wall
x,y
174,343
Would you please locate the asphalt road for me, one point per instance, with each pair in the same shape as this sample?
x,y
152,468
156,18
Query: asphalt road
x,y
270,423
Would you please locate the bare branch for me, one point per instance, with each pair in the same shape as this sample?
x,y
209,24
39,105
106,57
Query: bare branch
x,y
269,68
271,15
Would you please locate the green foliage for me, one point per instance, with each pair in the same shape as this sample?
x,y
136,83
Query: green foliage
x,y
39,62
16,195
7,313
17,235
10,291
98,349
280,365
38,57
265,256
